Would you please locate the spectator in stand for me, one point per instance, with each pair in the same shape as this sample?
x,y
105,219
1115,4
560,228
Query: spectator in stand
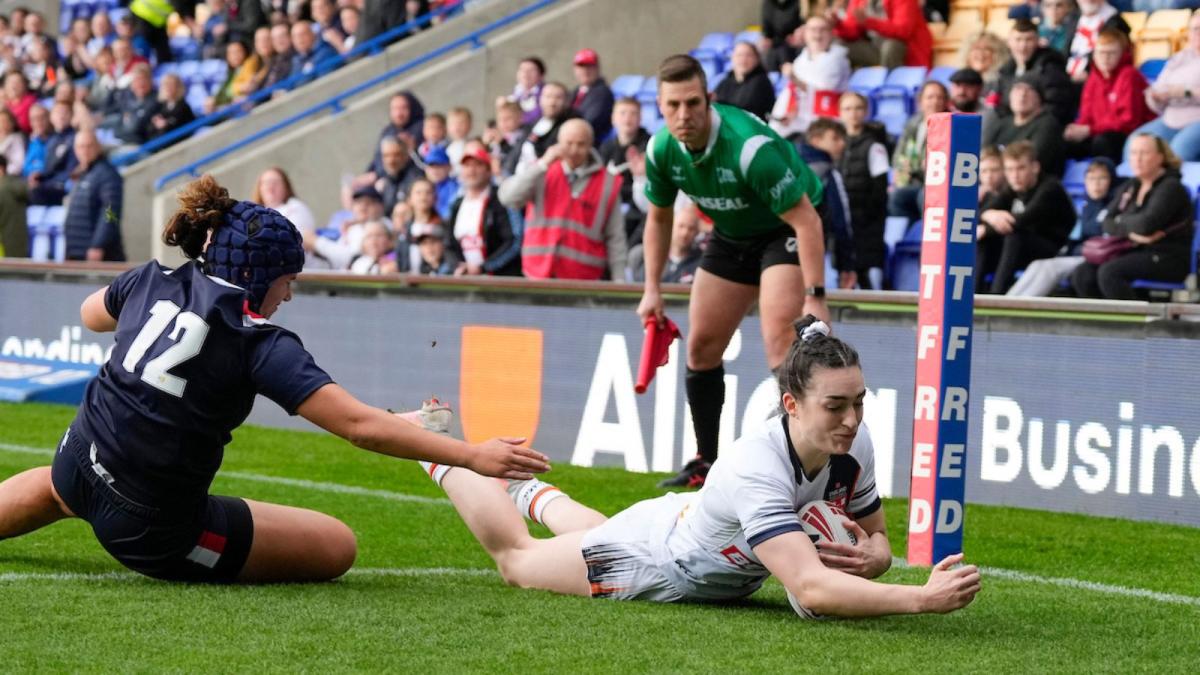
x,y
77,62
104,85
563,191
326,23
213,34
542,134
1113,103
1028,60
747,85
422,203
1053,27
1030,122
12,144
124,61
249,17
273,189
531,74
35,31
822,149
141,46
908,184
437,171
1031,222
376,248
992,187
349,18
102,33
1085,27
891,33
984,53
430,241
173,111
780,19
458,130
684,251
17,99
279,66
592,99
48,187
616,156
503,138
93,222
151,23
41,68
380,16
966,88
1176,95
433,131
399,173
406,118
864,167
1042,277
481,235
136,109
35,148
1154,210
265,53
310,51
14,229
815,80
242,70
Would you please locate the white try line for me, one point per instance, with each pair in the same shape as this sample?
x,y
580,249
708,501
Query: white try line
x,y
410,572
337,488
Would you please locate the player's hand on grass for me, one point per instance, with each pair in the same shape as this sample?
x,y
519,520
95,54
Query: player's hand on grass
x,y
950,588
861,559
505,458
651,306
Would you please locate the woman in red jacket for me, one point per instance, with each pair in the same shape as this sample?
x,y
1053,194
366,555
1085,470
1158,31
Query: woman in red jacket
x,y
1113,102
896,37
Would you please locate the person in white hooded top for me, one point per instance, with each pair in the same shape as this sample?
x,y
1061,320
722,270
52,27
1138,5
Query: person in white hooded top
x,y
816,80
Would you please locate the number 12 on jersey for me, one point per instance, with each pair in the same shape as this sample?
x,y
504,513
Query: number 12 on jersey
x,y
188,334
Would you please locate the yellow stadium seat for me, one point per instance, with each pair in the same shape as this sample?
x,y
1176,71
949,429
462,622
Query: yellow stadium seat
x,y
948,57
1002,27
961,9
961,25
1005,3
1169,19
996,14
1153,48
937,29
1136,21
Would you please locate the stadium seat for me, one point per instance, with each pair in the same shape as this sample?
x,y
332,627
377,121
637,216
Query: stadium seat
x,y
1191,177
1136,21
1151,68
1167,286
331,233
1073,176
720,43
937,29
974,9
649,116
751,36
906,266
627,85
197,96
1123,170
213,71
712,67
899,89
184,48
713,82
942,74
894,122
189,72
1001,28
894,229
866,80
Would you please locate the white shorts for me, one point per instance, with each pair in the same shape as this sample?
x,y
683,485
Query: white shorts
x,y
620,553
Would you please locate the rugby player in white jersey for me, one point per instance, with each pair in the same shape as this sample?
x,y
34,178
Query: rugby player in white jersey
x,y
722,542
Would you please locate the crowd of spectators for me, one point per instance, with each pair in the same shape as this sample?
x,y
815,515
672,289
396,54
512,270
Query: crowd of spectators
x,y
545,188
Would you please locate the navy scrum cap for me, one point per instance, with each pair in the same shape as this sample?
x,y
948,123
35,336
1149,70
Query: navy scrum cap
x,y
254,247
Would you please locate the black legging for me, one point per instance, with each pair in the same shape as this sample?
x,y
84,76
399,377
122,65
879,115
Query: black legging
x,y
1002,256
1114,279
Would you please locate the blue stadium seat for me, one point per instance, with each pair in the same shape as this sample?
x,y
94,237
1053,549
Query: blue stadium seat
x,y
197,95
894,122
627,85
720,43
189,72
1151,68
332,233
648,94
213,70
649,116
902,85
654,126
1191,177
751,36
1165,286
712,68
712,83
1123,170
894,229
184,48
906,266
866,80
1073,176
942,74
777,81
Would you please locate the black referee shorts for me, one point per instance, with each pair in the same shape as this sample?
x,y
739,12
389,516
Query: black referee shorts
x,y
208,541
743,260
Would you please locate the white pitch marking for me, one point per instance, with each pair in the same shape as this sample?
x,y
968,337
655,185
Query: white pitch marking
x,y
1013,575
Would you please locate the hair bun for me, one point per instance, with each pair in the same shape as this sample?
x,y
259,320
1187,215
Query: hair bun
x,y
815,330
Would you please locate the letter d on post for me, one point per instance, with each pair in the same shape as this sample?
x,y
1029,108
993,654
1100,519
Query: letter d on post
x,y
944,336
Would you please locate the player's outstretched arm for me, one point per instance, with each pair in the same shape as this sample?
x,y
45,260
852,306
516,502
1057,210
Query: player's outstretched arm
x,y
793,559
333,408
95,315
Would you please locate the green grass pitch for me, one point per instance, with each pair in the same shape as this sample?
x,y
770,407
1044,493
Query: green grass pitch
x,y
423,597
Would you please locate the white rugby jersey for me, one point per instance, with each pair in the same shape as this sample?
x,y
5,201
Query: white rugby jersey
x,y
753,493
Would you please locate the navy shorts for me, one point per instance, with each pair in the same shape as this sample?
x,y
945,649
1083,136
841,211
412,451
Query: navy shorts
x,y
206,541
742,261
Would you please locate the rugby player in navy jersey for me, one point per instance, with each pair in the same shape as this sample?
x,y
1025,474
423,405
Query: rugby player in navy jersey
x,y
193,348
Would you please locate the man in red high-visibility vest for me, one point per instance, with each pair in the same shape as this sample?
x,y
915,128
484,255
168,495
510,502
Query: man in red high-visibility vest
x,y
574,228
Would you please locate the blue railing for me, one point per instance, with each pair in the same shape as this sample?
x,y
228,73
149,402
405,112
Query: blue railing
x,y
334,104
371,47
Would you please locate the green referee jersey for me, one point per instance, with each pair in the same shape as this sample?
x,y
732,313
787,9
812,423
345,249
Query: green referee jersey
x,y
745,178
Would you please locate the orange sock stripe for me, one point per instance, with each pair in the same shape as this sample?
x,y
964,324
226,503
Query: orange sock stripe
x,y
533,502
433,469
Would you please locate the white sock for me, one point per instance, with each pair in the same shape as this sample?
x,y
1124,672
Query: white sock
x,y
436,471
531,497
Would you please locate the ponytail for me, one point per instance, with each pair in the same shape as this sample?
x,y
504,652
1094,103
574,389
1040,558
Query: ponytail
x,y
203,204
814,348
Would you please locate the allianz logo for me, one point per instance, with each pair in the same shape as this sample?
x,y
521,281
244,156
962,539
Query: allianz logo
x,y
69,348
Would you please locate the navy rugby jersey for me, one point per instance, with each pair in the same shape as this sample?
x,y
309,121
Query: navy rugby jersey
x,y
188,361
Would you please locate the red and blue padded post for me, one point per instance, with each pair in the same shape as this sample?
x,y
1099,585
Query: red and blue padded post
x,y
944,327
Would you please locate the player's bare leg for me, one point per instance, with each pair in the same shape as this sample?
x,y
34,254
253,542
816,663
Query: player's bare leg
x,y
29,502
294,544
780,303
551,564
716,309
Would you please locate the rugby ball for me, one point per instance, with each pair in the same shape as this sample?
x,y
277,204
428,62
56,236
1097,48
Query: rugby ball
x,y
822,522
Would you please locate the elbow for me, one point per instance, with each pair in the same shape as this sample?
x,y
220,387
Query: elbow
x,y
361,432
810,592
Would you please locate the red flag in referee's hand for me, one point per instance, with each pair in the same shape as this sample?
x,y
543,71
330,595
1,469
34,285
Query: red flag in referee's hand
x,y
655,352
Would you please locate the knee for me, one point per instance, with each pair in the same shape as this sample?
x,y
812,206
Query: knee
x,y
704,352
510,568
339,550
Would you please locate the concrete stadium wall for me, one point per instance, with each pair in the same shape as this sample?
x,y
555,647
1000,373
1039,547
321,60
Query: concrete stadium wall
x,y
630,35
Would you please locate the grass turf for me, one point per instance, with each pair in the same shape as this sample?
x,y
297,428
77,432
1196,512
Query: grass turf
x,y
448,622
